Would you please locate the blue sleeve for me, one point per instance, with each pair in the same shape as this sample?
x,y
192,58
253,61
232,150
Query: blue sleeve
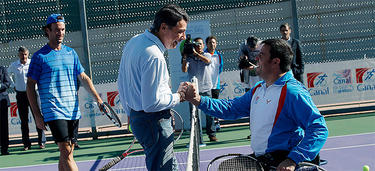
x,y
227,109
35,67
308,117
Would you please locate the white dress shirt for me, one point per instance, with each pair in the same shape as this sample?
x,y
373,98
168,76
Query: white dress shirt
x,y
19,72
143,80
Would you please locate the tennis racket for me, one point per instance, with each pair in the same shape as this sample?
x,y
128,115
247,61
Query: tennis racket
x,y
241,162
111,114
234,162
305,166
177,124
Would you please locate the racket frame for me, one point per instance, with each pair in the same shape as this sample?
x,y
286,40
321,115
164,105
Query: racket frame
x,y
111,114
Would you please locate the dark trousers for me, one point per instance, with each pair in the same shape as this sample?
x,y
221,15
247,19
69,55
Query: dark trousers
x,y
215,94
23,111
155,133
4,129
210,122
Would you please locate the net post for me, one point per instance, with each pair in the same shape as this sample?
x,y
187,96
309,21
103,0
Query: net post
x,y
193,155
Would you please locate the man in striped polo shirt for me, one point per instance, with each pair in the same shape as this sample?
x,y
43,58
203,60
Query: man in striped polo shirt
x,y
56,69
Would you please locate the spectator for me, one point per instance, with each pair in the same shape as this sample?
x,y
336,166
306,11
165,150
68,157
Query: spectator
x,y
4,104
286,125
18,71
247,54
298,64
56,69
198,65
216,67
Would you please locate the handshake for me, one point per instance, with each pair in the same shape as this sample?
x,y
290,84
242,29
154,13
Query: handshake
x,y
188,91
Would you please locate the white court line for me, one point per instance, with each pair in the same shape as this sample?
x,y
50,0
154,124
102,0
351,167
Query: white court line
x,y
354,146
350,135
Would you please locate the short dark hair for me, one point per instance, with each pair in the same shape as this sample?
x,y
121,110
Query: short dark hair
x,y
48,26
170,14
284,25
252,41
197,38
22,49
210,37
280,49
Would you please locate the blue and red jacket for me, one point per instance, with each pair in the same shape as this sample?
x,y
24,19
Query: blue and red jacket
x,y
292,122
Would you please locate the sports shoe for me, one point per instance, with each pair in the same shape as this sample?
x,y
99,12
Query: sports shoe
x,y
42,146
76,145
212,138
202,145
26,148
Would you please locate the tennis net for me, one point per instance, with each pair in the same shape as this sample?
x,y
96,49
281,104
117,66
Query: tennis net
x,y
193,154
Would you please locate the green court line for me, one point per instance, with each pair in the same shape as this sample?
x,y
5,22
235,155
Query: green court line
x,y
228,137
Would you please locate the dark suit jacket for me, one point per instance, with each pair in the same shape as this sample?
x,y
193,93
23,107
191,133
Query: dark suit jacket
x,y
298,64
5,84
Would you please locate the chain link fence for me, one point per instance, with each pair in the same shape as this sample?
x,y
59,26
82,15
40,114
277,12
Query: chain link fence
x,y
329,30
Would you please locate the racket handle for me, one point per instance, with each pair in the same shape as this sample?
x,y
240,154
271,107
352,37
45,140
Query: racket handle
x,y
111,164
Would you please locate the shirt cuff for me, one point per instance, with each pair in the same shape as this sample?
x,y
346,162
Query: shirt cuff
x,y
176,98
297,157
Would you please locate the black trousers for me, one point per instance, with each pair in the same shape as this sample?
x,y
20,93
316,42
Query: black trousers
x,y
210,122
23,111
4,128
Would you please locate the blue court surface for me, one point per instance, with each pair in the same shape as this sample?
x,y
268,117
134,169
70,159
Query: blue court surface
x,y
346,153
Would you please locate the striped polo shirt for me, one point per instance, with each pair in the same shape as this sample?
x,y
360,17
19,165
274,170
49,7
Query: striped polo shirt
x,y
56,74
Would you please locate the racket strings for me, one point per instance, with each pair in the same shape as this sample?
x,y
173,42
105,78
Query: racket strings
x,y
235,163
107,109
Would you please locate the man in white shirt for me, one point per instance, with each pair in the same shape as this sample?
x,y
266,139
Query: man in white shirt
x,y
18,70
198,64
143,84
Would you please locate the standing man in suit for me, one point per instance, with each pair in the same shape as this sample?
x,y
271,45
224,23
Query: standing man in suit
x,y
18,70
4,104
298,64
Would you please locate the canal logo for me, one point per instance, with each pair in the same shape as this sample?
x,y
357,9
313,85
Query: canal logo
x,y
13,109
364,75
111,96
342,77
316,79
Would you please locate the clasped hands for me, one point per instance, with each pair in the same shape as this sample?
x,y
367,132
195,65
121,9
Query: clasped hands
x,y
188,91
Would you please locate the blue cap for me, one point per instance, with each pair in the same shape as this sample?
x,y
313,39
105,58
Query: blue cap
x,y
53,19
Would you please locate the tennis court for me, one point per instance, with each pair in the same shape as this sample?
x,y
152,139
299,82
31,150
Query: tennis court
x,y
351,145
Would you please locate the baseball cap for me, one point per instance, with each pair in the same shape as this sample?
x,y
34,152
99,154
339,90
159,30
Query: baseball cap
x,y
54,18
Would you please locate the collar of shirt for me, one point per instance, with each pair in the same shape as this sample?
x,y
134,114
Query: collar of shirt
x,y
210,53
156,40
18,62
282,80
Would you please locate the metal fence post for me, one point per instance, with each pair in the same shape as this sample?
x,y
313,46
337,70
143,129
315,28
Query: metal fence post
x,y
295,19
86,52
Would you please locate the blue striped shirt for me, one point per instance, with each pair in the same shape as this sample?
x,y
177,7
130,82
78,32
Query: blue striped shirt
x,y
56,74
